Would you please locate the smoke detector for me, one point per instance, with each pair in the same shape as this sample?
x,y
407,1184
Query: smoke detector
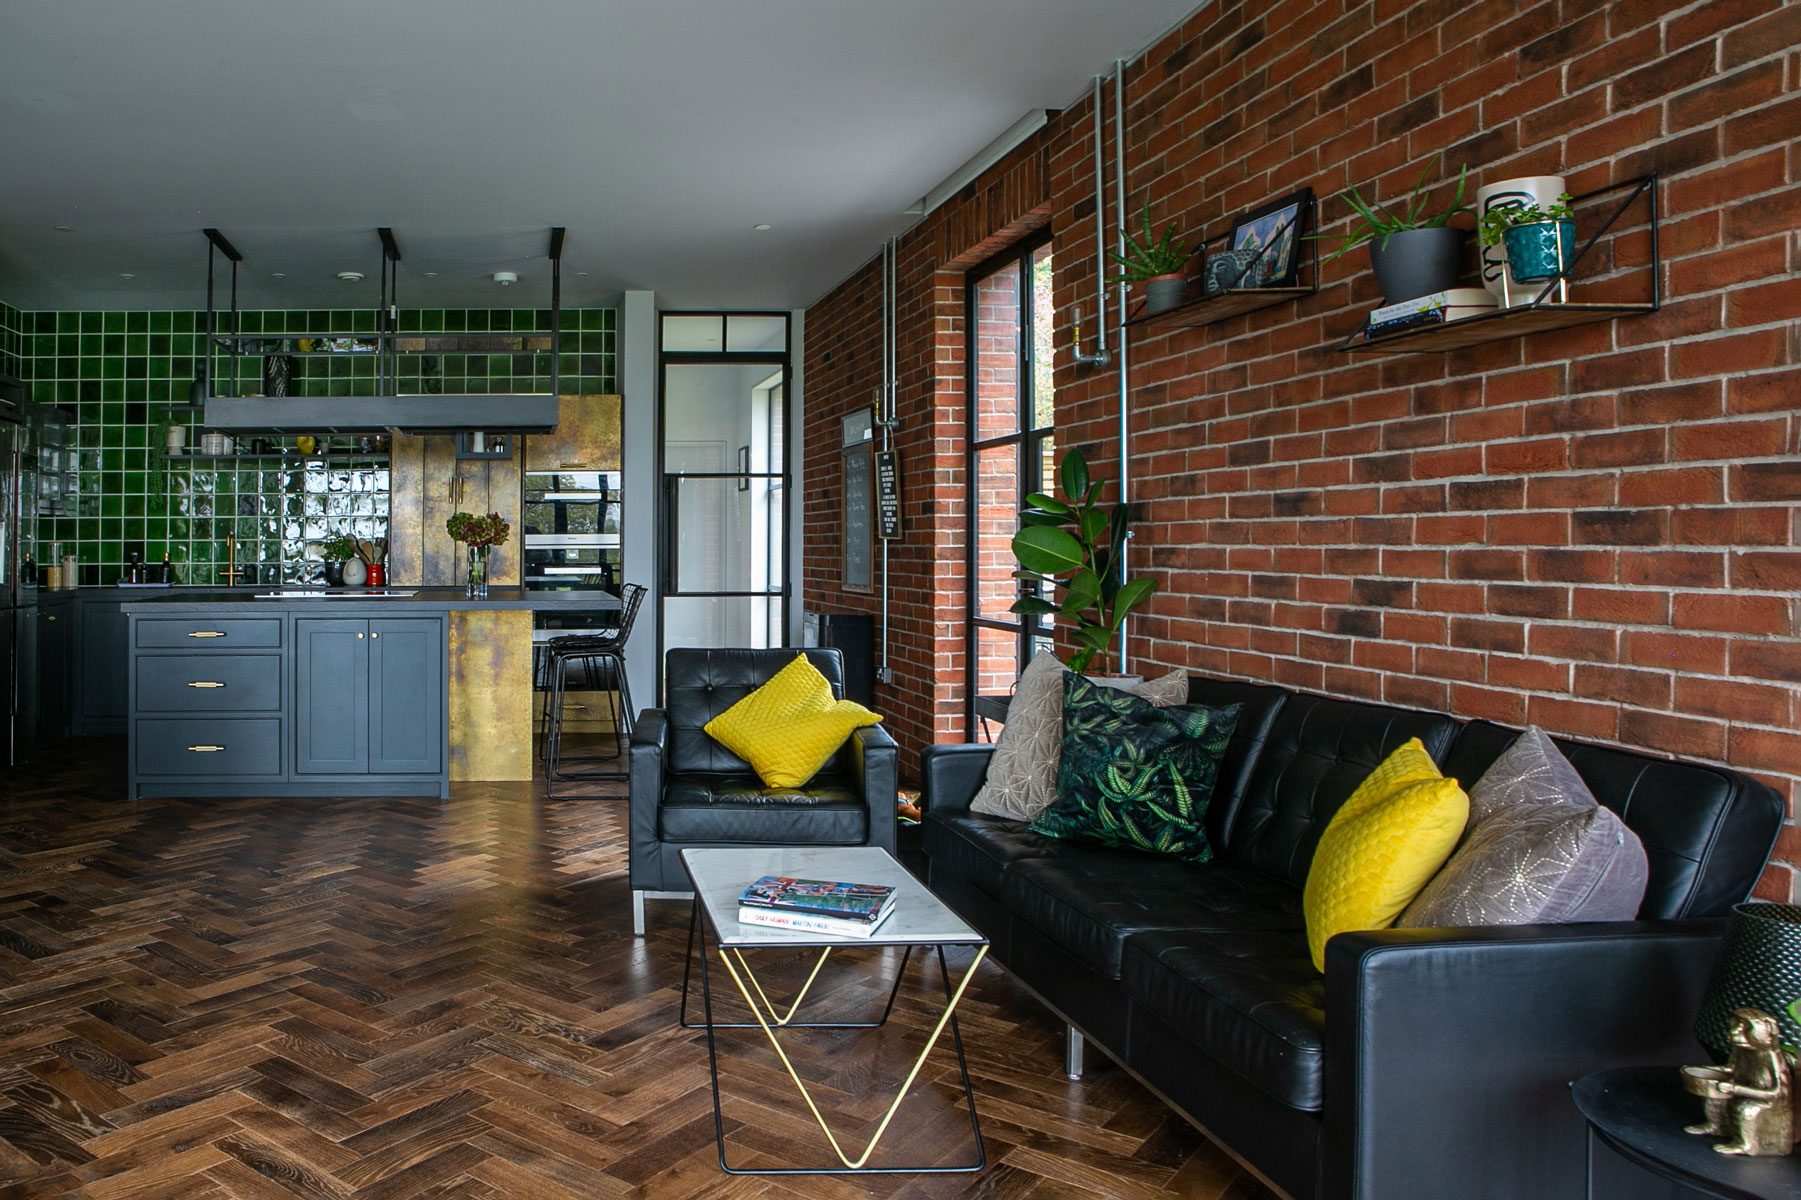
x,y
506,278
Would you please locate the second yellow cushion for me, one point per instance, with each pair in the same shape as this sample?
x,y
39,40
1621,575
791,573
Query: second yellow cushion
x,y
1382,847
788,728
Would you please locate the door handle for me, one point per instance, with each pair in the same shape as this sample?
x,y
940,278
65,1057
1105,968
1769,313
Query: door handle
x,y
206,749
205,683
207,633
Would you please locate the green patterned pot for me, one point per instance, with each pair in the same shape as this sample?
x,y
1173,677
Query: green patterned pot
x,y
1539,252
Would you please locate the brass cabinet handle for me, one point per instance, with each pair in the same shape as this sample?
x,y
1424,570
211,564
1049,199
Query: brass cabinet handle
x,y
205,749
49,616
359,637
207,633
205,683
373,636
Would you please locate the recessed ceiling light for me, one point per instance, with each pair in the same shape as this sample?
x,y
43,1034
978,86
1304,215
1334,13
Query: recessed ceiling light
x,y
63,228
581,274
765,228
352,276
126,275
431,274
278,274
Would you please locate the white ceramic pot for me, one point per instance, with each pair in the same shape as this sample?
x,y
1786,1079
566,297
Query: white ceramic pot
x,y
355,573
1541,190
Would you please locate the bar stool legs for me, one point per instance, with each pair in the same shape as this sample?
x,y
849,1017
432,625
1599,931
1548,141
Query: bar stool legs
x,y
619,709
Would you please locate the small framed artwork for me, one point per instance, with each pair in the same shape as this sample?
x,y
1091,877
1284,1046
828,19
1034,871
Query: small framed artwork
x,y
1271,237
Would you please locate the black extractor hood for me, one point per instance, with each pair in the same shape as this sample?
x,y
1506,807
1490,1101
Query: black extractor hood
x,y
387,409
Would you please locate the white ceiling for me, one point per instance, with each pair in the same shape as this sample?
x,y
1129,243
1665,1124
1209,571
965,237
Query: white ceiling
x,y
658,131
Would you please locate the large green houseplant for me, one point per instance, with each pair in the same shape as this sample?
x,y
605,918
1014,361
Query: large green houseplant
x,y
1076,548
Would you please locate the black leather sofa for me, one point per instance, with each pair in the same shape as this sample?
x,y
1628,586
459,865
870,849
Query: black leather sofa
x,y
1424,1063
688,790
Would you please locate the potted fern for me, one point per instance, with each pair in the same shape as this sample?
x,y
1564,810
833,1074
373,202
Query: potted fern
x,y
1412,251
1159,263
1073,546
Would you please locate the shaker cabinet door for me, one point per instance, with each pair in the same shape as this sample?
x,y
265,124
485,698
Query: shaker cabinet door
x,y
406,697
331,697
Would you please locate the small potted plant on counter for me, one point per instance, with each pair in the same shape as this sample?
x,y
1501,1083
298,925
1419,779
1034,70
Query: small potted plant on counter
x,y
1160,264
1412,253
336,551
1074,546
1540,241
480,534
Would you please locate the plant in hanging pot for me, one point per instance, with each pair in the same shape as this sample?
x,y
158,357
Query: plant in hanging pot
x,y
1160,264
1412,253
336,551
1540,241
1073,550
480,534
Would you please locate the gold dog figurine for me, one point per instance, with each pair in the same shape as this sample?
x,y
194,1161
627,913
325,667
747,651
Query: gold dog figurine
x,y
1752,1098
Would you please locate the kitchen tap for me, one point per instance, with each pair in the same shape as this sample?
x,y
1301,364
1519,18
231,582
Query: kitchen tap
x,y
232,571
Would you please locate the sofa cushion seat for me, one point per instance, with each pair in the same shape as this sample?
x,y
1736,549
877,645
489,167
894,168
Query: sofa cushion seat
x,y
738,809
1090,899
1250,1000
977,848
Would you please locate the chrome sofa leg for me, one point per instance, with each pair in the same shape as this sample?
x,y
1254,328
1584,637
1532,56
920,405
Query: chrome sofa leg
x,y
1072,1052
637,914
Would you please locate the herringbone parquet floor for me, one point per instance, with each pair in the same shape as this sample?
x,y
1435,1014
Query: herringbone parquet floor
x,y
389,999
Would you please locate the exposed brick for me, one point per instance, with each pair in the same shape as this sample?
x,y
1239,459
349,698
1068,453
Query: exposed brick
x,y
1620,527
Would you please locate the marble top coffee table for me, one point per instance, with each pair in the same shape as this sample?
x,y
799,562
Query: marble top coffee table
x,y
919,919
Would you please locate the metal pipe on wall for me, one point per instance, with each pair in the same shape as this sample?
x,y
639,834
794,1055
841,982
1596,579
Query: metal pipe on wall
x,y
885,419
1119,198
1100,356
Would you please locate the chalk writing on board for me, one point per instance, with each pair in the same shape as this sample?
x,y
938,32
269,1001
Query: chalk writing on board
x,y
888,495
857,489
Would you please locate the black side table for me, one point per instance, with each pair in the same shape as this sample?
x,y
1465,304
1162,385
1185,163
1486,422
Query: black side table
x,y
1640,1112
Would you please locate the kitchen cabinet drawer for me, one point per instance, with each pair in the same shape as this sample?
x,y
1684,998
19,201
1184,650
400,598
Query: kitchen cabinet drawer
x,y
209,683
208,746
209,633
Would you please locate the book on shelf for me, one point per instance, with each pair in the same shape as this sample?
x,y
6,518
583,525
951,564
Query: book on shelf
x,y
866,902
804,922
1453,304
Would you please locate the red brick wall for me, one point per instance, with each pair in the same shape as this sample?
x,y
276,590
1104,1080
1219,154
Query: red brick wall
x,y
1598,530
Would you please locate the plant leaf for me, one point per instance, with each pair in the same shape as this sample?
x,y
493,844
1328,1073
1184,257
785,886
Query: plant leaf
x,y
1046,550
1075,472
1048,504
1094,524
1084,590
1131,594
1031,604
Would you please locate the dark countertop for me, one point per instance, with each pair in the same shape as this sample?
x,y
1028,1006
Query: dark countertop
x,y
243,600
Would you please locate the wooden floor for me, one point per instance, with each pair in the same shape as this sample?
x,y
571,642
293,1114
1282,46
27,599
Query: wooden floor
x,y
402,998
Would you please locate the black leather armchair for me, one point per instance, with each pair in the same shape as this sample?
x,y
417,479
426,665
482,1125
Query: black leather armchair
x,y
688,790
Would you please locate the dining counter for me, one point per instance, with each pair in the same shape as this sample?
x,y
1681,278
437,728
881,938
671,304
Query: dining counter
x,y
478,701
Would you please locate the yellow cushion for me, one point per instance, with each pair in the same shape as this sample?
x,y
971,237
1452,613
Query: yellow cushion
x,y
1382,847
789,727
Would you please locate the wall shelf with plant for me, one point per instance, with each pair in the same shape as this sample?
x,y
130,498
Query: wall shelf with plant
x,y
1549,306
1264,259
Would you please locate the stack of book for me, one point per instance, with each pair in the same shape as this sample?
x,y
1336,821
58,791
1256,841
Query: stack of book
x,y
1437,309
816,905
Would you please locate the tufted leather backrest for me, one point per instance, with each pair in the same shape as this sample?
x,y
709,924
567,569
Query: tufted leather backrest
x,y
1259,703
1707,830
698,685
1316,753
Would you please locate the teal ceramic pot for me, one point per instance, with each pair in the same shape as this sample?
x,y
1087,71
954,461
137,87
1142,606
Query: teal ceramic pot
x,y
1533,250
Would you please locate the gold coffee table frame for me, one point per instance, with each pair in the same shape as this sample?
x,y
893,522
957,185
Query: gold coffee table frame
x,y
719,875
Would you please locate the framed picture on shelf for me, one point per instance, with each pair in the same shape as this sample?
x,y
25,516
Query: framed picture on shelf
x,y
1271,236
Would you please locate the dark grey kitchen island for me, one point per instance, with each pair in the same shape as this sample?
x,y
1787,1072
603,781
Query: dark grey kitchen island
x,y
333,692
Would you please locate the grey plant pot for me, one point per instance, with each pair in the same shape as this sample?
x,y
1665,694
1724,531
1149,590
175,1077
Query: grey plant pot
x,y
1164,292
1417,262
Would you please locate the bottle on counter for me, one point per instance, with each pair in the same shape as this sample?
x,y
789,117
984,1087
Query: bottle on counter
x,y
28,572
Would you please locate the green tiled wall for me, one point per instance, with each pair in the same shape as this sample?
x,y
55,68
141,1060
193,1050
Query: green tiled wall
x,y
12,337
122,375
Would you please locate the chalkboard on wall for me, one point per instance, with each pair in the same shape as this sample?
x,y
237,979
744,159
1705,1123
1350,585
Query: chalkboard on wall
x,y
858,496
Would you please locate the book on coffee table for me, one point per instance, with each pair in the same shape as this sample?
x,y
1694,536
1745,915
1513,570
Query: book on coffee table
x,y
816,905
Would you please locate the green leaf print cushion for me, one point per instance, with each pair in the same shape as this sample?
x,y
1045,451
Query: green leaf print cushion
x,y
1133,774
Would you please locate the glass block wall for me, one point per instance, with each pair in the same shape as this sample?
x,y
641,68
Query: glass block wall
x,y
123,377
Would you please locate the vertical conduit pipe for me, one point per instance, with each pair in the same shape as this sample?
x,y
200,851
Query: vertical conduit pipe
x,y
1100,356
1119,207
886,420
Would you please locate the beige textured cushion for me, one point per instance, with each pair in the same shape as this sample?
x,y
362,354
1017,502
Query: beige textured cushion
x,y
1539,850
1022,774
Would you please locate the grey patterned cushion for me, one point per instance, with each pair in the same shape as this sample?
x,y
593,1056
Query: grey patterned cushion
x,y
1022,775
1539,850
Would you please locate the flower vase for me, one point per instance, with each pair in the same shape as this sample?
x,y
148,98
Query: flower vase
x,y
478,572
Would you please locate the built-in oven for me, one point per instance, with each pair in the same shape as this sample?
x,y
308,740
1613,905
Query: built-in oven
x,y
569,535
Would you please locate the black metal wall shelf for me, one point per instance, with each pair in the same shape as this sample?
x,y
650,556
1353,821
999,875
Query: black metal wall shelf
x,y
1540,314
1235,301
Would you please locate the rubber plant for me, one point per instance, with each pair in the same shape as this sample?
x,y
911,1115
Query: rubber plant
x,y
1075,547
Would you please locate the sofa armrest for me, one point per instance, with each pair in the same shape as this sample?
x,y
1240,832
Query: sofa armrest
x,y
951,775
877,764
1449,1051
649,735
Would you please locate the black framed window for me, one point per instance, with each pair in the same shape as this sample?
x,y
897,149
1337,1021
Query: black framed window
x,y
1012,446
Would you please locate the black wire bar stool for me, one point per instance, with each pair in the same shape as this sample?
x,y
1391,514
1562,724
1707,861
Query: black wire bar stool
x,y
600,659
